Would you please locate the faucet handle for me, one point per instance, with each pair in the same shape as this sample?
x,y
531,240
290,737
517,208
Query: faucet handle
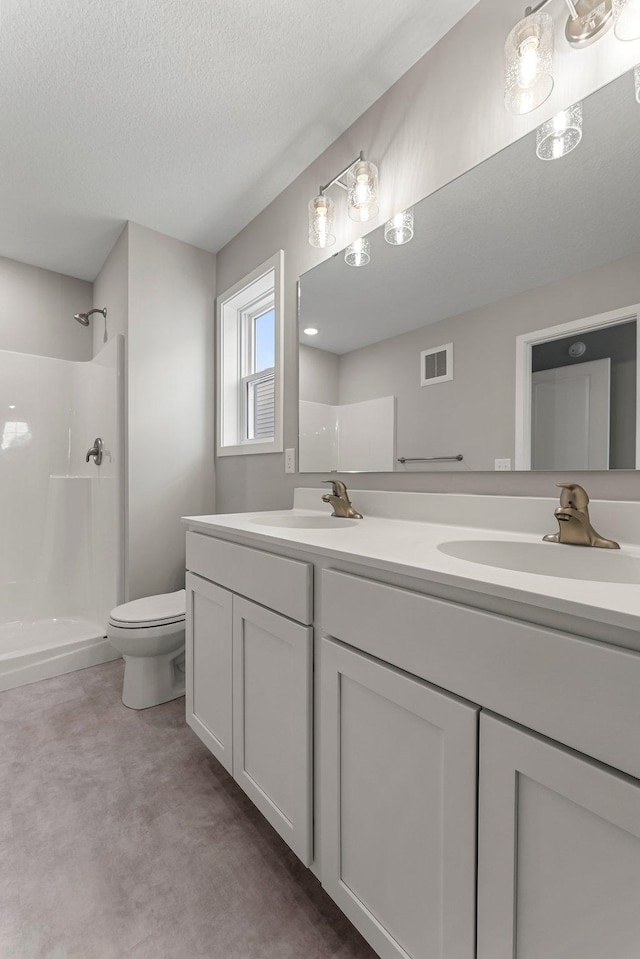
x,y
339,488
573,495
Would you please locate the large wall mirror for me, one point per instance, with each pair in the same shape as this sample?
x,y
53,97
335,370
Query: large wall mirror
x,y
504,334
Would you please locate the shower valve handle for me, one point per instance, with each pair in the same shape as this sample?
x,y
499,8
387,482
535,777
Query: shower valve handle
x,y
95,451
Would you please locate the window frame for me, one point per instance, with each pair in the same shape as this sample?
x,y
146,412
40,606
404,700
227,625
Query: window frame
x,y
236,309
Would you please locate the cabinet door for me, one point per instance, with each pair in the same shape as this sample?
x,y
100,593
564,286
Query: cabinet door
x,y
272,719
208,664
398,807
559,851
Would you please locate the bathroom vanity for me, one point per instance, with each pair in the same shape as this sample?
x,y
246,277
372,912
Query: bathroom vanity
x,y
437,711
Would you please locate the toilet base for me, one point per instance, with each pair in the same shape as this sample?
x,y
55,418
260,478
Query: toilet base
x,y
152,680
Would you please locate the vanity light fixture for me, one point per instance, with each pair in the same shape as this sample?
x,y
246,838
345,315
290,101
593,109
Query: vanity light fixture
x,y
399,229
358,253
626,14
636,76
561,134
321,213
360,180
362,184
311,331
529,46
528,63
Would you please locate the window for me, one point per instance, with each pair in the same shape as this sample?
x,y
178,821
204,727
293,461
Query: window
x,y
249,363
14,434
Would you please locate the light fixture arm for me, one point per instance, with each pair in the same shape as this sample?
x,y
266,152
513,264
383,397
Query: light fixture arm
x,y
573,13
337,180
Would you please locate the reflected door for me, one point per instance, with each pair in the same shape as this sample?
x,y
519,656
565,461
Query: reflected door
x,y
571,416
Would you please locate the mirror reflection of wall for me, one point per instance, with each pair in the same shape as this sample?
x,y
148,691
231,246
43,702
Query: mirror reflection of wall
x,y
512,248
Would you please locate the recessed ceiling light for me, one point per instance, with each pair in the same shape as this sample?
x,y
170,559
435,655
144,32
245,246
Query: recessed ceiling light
x,y
311,331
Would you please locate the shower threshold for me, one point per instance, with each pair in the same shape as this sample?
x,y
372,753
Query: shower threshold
x,y
31,651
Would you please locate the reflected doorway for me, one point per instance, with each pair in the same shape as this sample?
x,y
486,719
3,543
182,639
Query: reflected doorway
x,y
577,395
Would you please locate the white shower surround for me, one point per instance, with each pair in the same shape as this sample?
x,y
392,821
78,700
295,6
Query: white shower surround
x,y
61,518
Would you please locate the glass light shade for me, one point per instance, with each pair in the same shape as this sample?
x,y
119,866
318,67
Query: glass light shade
x,y
358,253
626,15
362,186
399,229
561,134
528,64
636,76
321,213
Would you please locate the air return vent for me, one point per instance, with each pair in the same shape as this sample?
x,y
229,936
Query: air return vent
x,y
436,365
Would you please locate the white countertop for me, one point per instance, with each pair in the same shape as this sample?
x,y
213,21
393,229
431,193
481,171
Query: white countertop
x,y
411,547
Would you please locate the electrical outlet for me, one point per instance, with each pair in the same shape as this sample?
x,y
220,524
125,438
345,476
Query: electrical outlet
x,y
503,465
290,461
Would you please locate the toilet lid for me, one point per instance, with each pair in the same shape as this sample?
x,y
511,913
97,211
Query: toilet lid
x,y
160,610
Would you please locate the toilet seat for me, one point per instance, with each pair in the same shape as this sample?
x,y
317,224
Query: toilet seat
x,y
162,610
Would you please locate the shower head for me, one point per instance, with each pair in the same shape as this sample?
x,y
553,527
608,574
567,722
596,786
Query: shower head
x,y
84,317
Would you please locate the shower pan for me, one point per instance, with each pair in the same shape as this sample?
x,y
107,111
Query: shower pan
x,y
61,514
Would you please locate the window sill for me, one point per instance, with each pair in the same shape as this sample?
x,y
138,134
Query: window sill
x,y
250,449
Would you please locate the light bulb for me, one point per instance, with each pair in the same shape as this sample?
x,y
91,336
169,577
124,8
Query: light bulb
x,y
358,253
626,14
560,123
399,229
311,331
528,63
321,232
561,134
362,186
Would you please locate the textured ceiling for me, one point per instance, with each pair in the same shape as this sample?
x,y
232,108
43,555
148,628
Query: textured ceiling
x,y
512,224
187,116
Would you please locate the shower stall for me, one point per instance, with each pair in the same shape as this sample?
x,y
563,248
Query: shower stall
x,y
61,514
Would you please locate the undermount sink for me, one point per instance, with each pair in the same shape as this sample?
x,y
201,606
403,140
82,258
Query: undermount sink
x,y
549,559
305,522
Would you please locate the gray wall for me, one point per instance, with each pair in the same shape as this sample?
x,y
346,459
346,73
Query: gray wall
x,y
441,119
475,413
160,293
36,312
319,375
111,289
170,403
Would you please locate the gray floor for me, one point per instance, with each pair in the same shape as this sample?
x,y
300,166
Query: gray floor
x,y
122,838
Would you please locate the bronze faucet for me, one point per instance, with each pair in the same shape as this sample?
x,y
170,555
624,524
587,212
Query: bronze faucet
x,y
340,501
574,525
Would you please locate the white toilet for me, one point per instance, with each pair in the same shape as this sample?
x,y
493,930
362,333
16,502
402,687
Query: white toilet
x,y
149,633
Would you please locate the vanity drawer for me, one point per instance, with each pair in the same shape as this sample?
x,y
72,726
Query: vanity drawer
x,y
579,692
284,585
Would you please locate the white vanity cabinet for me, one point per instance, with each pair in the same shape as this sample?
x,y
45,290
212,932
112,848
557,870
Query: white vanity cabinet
x,y
558,833
249,674
208,665
398,807
272,719
559,851
477,755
